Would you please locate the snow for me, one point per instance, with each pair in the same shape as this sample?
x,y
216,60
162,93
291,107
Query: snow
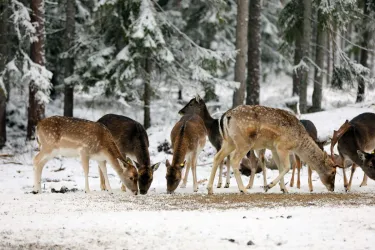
x,y
185,220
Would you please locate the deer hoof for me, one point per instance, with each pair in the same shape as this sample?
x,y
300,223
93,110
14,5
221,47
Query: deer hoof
x,y
248,187
226,185
284,190
35,192
266,188
210,191
219,185
243,191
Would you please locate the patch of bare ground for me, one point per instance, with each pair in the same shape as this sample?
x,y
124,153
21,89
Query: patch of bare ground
x,y
235,201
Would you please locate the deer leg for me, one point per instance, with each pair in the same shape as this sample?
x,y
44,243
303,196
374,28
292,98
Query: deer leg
x,y
299,166
194,172
225,150
354,166
364,181
344,175
237,156
283,160
184,181
280,168
101,178
293,171
85,165
39,162
263,161
310,179
220,175
103,173
227,183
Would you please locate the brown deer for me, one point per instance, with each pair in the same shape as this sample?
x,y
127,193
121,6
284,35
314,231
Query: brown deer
x,y
197,106
257,127
73,137
313,133
358,134
368,163
188,138
132,140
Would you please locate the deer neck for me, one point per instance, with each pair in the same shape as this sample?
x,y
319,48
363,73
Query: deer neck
x,y
311,154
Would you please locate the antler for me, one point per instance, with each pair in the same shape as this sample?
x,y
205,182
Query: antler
x,y
337,135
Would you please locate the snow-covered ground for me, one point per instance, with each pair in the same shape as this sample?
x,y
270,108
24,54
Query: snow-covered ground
x,y
156,221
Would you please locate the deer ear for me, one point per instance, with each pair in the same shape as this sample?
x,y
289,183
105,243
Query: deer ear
x,y
155,166
128,160
122,165
167,163
361,155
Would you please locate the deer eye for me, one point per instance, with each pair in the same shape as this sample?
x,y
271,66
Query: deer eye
x,y
131,178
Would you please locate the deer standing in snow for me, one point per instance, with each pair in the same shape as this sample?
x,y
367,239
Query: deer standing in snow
x,y
257,127
73,137
353,139
188,138
132,141
197,106
311,130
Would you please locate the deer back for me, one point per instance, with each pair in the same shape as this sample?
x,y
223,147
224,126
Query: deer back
x,y
187,135
130,137
359,136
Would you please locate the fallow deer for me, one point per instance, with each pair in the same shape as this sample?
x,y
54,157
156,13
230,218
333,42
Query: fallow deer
x,y
188,138
368,163
132,140
73,137
257,127
358,134
197,106
311,130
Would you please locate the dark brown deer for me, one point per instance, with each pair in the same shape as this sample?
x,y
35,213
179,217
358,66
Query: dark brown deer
x,y
197,106
188,138
73,137
313,133
257,127
358,134
132,140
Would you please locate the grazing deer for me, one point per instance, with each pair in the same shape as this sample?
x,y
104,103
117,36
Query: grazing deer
x,y
313,133
188,138
257,127
358,134
132,140
197,106
73,137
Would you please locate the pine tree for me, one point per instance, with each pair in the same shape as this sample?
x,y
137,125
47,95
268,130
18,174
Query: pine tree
x,y
3,61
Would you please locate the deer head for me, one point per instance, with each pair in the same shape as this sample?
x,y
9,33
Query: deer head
x,y
145,176
129,174
195,106
173,175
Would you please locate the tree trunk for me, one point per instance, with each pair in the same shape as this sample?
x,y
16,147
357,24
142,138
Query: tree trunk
x,y
307,6
364,52
147,94
328,59
253,65
297,76
241,45
3,60
319,61
69,60
36,108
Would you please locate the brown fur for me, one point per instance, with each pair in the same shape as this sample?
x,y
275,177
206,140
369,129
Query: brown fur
x,y
188,137
132,140
75,137
258,127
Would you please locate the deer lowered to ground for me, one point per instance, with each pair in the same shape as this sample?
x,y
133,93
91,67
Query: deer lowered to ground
x,y
197,106
188,138
73,137
311,130
353,139
258,127
132,141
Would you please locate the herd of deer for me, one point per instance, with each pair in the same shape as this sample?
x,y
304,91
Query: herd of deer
x,y
239,135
